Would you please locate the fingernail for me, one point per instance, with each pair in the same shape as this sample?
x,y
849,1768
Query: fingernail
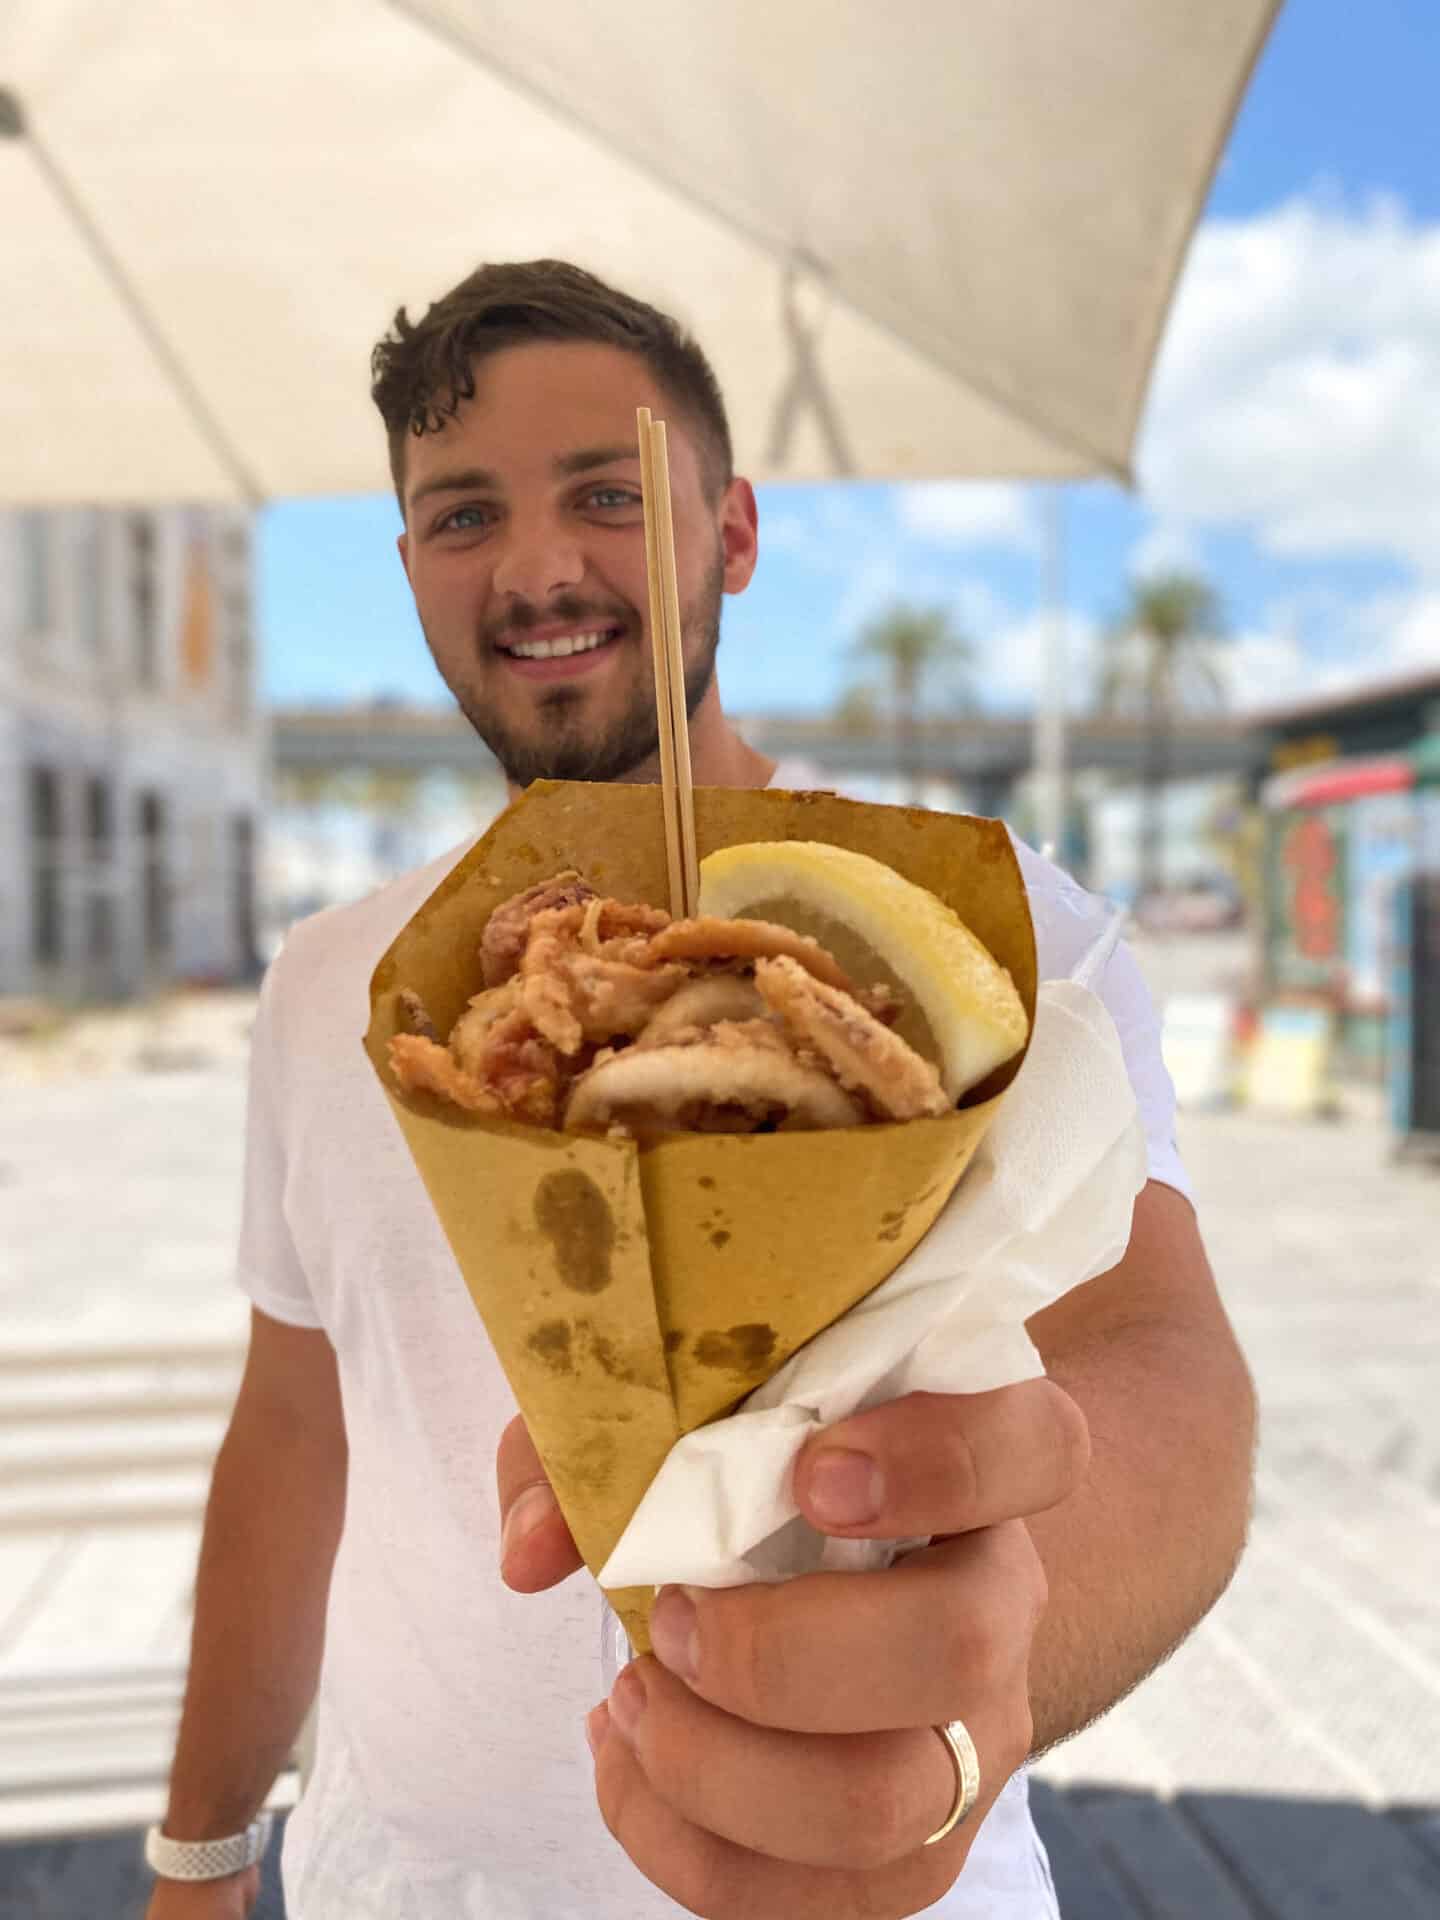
x,y
843,1489
627,1703
527,1510
597,1723
673,1633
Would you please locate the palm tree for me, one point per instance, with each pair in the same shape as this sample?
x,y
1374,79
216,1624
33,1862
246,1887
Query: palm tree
x,y
1159,661
912,643
857,712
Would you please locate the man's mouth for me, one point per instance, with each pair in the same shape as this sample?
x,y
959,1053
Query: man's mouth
x,y
522,646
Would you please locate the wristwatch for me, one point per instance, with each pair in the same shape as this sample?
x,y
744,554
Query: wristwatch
x,y
208,1859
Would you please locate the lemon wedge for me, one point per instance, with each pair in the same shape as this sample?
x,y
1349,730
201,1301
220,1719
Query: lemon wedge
x,y
960,1007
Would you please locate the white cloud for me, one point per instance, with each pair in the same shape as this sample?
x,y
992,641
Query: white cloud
x,y
788,532
833,521
1308,649
1299,384
1266,669
883,577
1165,548
1013,662
967,513
1413,624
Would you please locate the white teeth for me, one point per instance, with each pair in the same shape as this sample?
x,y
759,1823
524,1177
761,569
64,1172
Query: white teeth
x,y
560,649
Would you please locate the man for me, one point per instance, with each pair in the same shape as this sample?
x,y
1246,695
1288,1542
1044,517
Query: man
x,y
781,1756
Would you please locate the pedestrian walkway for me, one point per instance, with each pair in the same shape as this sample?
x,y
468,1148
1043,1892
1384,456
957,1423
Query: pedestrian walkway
x,y
1319,1671
106,1455
120,1149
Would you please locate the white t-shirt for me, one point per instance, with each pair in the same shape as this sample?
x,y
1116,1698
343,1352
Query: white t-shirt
x,y
452,1779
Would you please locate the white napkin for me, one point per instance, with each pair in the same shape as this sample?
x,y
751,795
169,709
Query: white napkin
x,y
1045,1204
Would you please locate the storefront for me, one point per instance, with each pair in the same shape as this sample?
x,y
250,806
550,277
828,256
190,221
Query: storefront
x,y
1352,814
1338,842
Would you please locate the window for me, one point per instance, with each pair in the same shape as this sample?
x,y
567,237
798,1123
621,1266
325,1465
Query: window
x,y
46,929
144,598
242,882
100,878
99,819
154,875
235,601
100,932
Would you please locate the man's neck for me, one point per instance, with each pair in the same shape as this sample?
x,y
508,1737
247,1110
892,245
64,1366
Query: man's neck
x,y
718,756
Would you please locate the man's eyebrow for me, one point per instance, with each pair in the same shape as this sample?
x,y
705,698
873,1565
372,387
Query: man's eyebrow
x,y
588,458
462,480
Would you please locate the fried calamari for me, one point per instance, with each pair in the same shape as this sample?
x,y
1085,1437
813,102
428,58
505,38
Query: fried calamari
x,y
601,1015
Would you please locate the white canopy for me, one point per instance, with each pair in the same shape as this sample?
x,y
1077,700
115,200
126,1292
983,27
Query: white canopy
x,y
937,238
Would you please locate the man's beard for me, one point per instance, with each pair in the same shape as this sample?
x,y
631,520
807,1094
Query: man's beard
x,y
564,748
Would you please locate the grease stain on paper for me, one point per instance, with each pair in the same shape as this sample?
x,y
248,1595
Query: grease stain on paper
x,y
743,1349
589,1460
575,1217
551,1345
612,1361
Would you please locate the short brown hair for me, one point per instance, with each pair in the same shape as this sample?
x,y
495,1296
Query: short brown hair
x,y
423,370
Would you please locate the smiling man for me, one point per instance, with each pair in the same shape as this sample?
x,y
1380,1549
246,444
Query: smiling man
x,y
842,1747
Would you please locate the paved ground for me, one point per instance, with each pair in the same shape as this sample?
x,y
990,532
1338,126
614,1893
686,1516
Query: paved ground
x,y
1285,1762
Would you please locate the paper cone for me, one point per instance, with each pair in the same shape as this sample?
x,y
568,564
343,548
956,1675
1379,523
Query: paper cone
x,y
633,1293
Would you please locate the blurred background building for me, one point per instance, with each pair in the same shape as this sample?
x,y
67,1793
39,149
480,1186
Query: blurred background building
x,y
1350,882
132,751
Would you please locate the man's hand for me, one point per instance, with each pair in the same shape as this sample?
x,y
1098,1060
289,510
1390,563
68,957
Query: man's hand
x,y
777,1753
227,1899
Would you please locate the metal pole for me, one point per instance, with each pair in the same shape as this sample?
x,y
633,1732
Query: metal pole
x,y
1049,738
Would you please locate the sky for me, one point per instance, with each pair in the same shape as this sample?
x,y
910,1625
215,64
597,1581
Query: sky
x,y
1290,449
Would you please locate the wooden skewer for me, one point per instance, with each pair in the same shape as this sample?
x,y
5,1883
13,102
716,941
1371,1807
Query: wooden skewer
x,y
669,796
679,716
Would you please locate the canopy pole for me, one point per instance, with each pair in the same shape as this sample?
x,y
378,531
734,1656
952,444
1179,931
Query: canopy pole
x,y
806,382
1048,753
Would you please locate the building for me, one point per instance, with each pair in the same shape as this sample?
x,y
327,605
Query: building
x,y
1352,815
132,750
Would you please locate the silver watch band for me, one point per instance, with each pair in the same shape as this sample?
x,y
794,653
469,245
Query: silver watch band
x,y
208,1859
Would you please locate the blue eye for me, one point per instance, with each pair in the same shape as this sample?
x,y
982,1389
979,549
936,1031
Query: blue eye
x,y
612,497
462,520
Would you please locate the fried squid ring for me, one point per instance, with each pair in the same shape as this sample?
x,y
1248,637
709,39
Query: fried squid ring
x,y
737,1078
699,1004
860,1052
712,939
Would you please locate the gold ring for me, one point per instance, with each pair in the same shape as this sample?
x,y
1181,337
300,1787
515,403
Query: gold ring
x,y
966,1762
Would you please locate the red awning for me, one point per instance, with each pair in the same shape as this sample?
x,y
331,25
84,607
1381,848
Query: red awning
x,y
1341,780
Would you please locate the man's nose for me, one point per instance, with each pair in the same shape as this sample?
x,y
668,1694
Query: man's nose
x,y
538,557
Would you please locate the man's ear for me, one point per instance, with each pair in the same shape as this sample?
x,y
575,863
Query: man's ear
x,y
402,547
739,534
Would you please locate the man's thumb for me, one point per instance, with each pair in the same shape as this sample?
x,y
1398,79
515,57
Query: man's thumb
x,y
536,1549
